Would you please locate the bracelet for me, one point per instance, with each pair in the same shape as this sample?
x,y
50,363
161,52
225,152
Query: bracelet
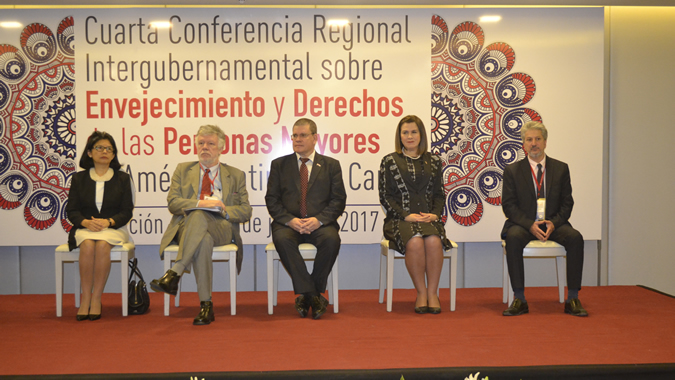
x,y
110,222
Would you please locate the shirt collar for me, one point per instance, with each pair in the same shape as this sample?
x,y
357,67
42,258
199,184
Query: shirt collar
x,y
212,169
534,164
311,156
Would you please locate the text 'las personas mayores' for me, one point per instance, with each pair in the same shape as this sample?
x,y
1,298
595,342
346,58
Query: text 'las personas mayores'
x,y
172,142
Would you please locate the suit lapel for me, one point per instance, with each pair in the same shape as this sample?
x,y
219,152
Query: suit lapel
x,y
193,179
316,168
526,175
225,181
291,166
550,171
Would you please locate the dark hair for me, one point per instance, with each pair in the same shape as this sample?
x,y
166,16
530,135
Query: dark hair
x,y
87,162
424,143
308,122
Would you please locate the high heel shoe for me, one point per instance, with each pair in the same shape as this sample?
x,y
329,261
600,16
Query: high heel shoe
x,y
81,317
434,310
93,317
421,309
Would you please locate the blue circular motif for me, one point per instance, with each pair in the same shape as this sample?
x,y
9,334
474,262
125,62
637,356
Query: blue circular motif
x,y
5,158
41,210
465,206
38,43
490,185
13,190
12,65
4,95
508,152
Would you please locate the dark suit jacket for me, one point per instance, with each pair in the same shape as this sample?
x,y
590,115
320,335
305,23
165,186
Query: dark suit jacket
x,y
117,204
326,196
519,198
184,193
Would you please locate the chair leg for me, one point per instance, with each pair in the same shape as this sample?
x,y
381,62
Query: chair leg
x,y
233,283
334,294
167,298
58,270
505,278
383,272
276,281
390,278
78,285
453,278
560,271
270,282
329,288
176,300
124,269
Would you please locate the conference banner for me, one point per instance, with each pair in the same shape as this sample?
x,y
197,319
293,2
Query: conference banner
x,y
151,77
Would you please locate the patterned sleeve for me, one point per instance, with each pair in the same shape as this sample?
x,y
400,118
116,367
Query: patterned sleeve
x,y
390,198
438,198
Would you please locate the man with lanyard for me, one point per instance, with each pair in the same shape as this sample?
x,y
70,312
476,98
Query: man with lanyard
x,y
208,200
537,201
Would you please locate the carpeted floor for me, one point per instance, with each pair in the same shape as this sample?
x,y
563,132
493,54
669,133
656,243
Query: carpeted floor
x,y
627,325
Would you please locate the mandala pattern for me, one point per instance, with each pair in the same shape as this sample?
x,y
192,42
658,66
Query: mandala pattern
x,y
477,110
37,123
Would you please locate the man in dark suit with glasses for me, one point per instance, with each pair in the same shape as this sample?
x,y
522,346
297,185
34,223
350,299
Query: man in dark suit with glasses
x,y
305,197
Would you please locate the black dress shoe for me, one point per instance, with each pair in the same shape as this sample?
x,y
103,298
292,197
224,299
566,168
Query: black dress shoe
x,y
205,314
574,307
82,317
167,284
518,307
319,305
302,305
421,309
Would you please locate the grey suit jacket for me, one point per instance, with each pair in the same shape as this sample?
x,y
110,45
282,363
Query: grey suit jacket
x,y
326,196
184,193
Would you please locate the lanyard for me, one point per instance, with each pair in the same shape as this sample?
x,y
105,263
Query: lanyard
x,y
541,181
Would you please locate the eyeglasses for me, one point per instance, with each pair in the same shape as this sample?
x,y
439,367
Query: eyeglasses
x,y
101,148
301,135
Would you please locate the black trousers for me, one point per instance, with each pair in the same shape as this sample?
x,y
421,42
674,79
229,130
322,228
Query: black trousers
x,y
326,239
517,238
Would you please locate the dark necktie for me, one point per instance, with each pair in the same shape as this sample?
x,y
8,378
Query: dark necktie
x,y
206,185
540,184
304,179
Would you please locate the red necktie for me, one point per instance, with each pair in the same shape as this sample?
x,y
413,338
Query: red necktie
x,y
304,179
206,185
540,183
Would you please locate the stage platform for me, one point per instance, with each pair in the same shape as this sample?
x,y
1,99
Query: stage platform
x,y
629,334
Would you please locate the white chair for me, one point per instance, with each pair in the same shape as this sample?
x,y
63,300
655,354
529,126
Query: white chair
x,y
387,271
538,249
308,252
226,252
118,253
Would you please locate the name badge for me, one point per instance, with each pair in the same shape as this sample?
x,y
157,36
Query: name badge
x,y
541,209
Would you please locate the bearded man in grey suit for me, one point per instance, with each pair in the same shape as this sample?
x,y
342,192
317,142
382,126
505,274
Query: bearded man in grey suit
x,y
537,200
308,216
206,183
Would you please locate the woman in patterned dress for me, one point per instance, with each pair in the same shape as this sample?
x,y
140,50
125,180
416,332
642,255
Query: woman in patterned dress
x,y
100,204
411,192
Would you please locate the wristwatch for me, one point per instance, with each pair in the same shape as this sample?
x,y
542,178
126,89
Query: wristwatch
x,y
111,221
